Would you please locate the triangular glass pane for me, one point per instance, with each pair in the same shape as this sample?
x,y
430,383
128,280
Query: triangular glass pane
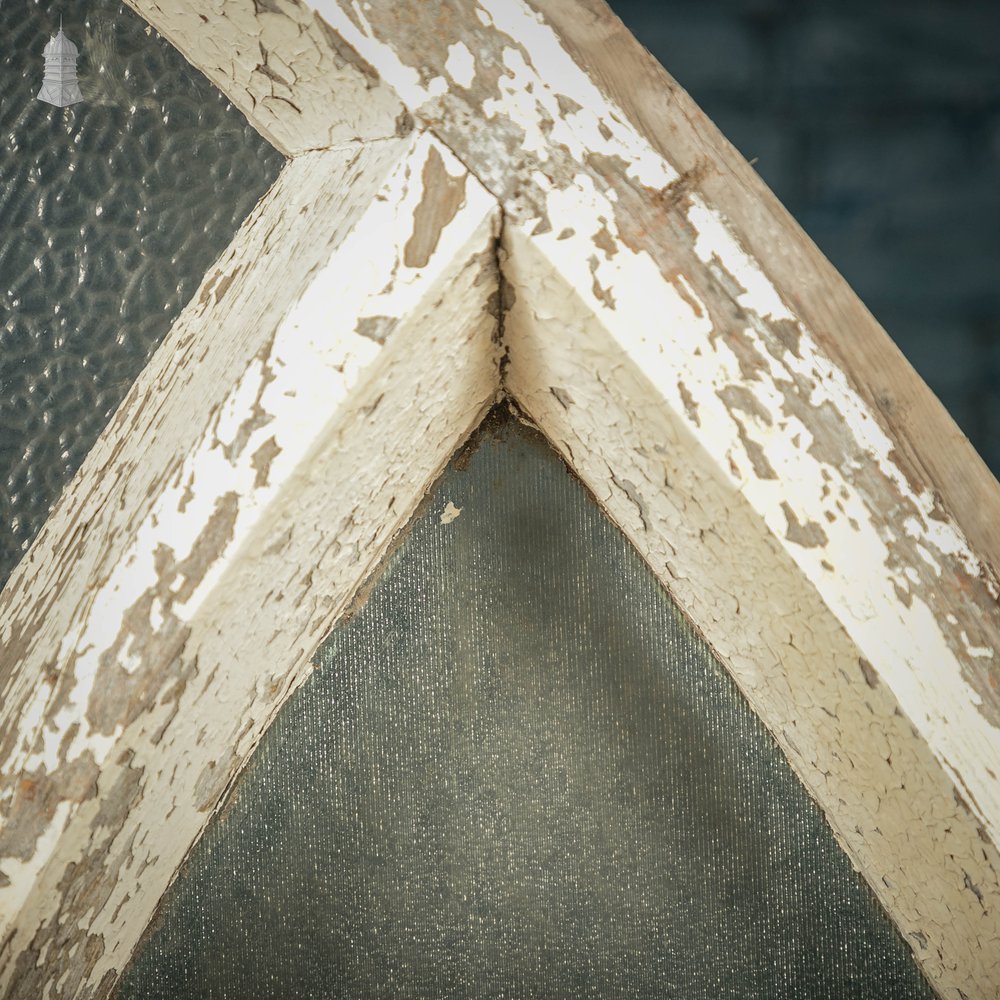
x,y
518,771
111,211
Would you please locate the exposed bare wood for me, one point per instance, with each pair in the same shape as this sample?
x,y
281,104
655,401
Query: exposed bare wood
x,y
776,411
728,349
935,455
674,333
889,801
244,490
297,82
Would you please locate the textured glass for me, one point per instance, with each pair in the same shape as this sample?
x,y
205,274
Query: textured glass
x,y
111,211
518,772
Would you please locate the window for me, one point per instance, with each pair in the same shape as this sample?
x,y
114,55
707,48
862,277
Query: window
x,y
481,202
516,770
114,210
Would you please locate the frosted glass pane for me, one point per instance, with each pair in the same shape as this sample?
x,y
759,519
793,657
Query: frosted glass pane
x,y
111,211
518,772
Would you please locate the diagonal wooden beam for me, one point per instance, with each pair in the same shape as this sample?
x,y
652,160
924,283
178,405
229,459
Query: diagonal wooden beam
x,y
595,392
298,83
283,433
497,84
930,447
622,231
633,283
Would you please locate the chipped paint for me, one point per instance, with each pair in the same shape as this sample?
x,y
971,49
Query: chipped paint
x,y
442,195
890,802
510,92
450,513
651,347
677,296
460,65
563,159
275,475
299,84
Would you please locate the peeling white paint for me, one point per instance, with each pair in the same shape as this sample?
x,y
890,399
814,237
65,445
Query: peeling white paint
x,y
627,289
315,379
450,513
23,875
583,132
743,588
714,243
356,30
595,129
324,102
637,349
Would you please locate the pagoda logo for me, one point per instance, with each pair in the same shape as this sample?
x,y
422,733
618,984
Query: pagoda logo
x,y
60,86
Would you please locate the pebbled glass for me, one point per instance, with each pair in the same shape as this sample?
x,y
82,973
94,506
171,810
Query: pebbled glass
x,y
111,211
517,771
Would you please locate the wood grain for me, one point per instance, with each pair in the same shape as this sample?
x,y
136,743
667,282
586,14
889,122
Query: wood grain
x,y
296,81
931,449
253,477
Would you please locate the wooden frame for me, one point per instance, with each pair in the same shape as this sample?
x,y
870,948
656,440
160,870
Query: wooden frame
x,y
561,225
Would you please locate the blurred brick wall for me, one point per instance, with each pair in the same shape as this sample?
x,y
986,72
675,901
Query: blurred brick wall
x,y
878,125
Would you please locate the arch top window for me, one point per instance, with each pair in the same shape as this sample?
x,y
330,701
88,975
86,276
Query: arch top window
x,y
503,199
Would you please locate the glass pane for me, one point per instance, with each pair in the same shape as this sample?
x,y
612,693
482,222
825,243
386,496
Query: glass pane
x,y
111,211
517,771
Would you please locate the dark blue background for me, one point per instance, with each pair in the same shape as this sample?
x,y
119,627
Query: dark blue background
x,y
878,126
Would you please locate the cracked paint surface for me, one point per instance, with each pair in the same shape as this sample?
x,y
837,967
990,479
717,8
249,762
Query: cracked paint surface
x,y
140,674
652,349
890,802
297,81
676,294
721,326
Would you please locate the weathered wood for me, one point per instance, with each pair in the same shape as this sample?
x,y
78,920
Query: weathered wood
x,y
283,433
671,330
727,349
297,82
889,801
775,411
934,453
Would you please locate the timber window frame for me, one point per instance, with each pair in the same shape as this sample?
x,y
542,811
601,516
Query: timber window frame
x,y
484,199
